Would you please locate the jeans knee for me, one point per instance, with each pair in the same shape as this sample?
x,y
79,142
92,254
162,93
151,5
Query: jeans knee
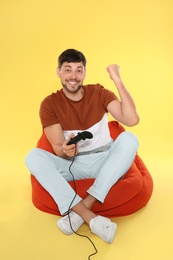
x,y
130,139
31,157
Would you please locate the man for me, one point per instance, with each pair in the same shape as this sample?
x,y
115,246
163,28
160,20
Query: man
x,y
76,108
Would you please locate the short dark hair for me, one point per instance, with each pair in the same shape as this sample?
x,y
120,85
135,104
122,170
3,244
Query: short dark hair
x,y
71,55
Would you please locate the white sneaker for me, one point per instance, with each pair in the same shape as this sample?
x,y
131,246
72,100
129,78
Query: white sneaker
x,y
103,228
64,223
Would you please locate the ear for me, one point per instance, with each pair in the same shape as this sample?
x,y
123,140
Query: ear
x,y
58,72
85,73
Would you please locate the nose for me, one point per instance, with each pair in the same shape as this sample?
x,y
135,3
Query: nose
x,y
73,74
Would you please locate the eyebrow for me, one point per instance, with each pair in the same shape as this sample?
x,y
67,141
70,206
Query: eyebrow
x,y
77,67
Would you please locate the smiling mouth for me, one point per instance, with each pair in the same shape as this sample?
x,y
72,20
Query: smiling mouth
x,y
72,86
72,83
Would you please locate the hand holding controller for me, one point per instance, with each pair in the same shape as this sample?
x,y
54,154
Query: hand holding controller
x,y
80,136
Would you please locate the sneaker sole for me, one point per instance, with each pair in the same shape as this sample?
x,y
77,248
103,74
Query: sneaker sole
x,y
114,228
63,229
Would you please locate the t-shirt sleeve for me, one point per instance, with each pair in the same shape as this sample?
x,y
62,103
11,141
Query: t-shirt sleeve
x,y
47,114
106,96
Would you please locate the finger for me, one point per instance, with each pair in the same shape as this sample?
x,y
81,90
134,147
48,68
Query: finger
x,y
69,137
71,152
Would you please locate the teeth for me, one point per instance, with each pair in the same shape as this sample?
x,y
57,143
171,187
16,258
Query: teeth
x,y
72,83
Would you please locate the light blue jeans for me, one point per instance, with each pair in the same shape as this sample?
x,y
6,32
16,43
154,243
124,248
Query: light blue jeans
x,y
107,167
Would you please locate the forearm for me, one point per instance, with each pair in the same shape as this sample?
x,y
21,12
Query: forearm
x,y
128,107
125,97
55,136
125,110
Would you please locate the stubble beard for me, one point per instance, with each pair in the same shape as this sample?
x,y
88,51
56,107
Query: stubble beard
x,y
71,91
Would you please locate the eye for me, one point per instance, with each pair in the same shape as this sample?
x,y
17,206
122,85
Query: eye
x,y
68,70
79,71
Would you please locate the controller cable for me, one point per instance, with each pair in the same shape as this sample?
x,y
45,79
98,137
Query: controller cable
x,y
69,209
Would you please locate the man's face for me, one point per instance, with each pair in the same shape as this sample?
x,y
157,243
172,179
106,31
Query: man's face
x,y
71,75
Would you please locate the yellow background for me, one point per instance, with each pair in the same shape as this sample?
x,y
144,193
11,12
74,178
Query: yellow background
x,y
136,34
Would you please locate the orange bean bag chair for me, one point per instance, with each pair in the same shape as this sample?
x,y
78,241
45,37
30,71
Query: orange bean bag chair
x,y
126,197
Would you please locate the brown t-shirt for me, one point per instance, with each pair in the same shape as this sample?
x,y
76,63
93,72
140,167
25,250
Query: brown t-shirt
x,y
89,113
